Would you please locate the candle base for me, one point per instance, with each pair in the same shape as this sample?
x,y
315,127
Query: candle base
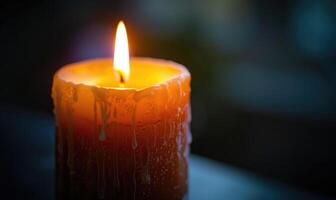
x,y
116,168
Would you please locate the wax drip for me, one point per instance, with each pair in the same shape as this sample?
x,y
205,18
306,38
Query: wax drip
x,y
99,185
58,113
117,154
116,144
179,122
70,137
155,138
57,95
188,124
134,140
166,95
103,110
147,174
134,146
74,94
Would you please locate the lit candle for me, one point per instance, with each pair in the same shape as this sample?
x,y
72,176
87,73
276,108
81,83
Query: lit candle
x,y
122,127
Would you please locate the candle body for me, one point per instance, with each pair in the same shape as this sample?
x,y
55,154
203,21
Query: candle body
x,y
122,143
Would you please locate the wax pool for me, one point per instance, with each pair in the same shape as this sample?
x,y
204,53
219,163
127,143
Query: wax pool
x,y
126,141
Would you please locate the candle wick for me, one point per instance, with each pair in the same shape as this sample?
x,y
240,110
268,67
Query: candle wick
x,y
122,79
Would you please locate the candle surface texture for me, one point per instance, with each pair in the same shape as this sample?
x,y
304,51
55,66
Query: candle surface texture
x,y
128,141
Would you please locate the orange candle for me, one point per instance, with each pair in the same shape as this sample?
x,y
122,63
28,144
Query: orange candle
x,y
122,128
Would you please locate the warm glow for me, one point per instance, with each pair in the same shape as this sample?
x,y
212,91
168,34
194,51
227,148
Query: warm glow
x,y
121,56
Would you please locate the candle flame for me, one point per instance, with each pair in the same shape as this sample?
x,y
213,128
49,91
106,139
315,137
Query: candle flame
x,y
121,55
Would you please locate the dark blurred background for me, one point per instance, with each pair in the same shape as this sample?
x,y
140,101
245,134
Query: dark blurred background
x,y
263,72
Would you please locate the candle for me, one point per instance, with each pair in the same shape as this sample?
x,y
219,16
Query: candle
x,y
122,127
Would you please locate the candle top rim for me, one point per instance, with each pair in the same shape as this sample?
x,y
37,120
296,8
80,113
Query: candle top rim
x,y
155,72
